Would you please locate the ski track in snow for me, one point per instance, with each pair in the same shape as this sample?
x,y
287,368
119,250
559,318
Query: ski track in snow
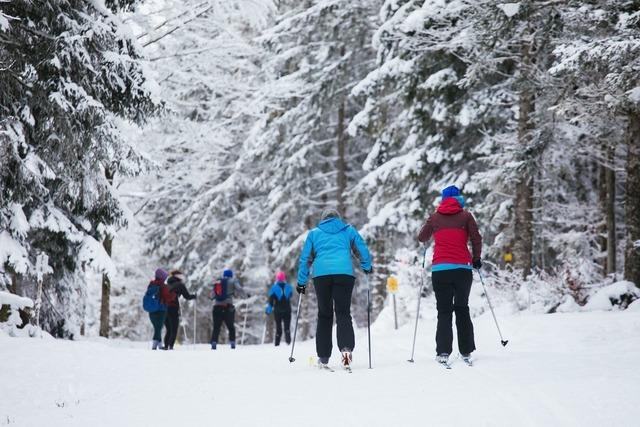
x,y
577,369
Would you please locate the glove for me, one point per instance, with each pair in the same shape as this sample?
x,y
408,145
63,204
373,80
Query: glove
x,y
369,271
301,289
269,309
477,263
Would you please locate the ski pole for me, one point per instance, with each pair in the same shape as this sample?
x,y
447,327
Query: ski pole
x,y
502,340
264,329
415,329
295,330
369,316
244,323
195,318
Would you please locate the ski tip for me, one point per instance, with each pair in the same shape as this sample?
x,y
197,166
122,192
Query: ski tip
x,y
504,342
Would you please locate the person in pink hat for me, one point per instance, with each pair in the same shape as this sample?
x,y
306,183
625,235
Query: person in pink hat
x,y
280,305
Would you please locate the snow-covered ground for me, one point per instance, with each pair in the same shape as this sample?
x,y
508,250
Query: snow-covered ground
x,y
574,369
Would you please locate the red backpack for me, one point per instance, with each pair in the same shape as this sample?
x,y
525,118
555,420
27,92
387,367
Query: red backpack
x,y
220,290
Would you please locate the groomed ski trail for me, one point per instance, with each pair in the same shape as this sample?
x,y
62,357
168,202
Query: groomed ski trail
x,y
575,369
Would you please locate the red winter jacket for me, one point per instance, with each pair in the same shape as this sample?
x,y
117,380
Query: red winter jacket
x,y
452,227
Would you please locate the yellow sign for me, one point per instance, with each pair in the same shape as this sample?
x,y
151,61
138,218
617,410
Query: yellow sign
x,y
392,284
508,257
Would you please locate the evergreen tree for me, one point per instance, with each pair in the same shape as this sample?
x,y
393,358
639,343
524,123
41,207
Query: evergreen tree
x,y
69,70
317,53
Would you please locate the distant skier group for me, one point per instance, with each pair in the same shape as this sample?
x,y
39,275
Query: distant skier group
x,y
327,257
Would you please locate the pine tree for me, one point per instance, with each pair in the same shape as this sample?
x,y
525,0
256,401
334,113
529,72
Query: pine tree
x,y
317,52
423,125
598,60
69,70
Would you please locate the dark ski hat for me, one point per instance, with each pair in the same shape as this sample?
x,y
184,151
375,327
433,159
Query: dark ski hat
x,y
227,273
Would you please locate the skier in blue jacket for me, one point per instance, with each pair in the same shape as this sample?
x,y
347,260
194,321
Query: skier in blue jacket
x,y
280,305
328,250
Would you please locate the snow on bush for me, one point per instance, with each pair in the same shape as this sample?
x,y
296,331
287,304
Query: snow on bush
x,y
510,9
15,303
618,294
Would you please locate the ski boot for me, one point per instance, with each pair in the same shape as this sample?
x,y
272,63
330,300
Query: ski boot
x,y
443,359
214,345
156,345
466,358
233,344
323,364
347,358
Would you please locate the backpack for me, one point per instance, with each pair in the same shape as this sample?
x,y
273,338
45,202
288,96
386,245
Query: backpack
x,y
220,290
151,300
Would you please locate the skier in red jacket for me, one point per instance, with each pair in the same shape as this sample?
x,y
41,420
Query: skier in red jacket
x,y
452,227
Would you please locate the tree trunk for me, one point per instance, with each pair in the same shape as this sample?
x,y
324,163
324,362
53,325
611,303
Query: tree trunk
x,y
14,286
342,164
106,281
602,197
106,294
523,224
632,201
611,212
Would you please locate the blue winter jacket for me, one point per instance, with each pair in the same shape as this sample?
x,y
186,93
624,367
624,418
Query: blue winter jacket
x,y
328,250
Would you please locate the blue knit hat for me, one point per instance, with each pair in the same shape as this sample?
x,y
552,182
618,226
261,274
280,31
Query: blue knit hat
x,y
227,273
450,191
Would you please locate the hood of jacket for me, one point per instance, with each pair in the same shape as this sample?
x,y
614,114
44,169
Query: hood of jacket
x,y
332,225
449,206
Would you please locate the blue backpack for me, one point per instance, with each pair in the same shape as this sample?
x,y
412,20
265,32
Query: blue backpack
x,y
151,300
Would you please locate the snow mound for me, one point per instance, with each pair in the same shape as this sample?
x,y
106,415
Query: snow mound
x,y
569,305
612,296
634,306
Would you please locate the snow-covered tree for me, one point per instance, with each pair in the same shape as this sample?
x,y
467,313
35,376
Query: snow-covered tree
x,y
599,60
306,161
195,212
424,127
69,69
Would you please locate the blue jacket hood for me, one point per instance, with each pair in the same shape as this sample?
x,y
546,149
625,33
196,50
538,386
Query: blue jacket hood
x,y
332,225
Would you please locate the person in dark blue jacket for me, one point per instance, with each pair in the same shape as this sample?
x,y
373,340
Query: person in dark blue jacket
x,y
327,251
280,305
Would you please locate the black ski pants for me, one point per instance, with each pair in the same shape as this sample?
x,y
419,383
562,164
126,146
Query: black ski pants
x,y
334,295
171,322
226,314
157,320
282,318
452,289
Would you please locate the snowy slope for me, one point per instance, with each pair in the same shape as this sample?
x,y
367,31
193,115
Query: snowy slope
x,y
577,369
